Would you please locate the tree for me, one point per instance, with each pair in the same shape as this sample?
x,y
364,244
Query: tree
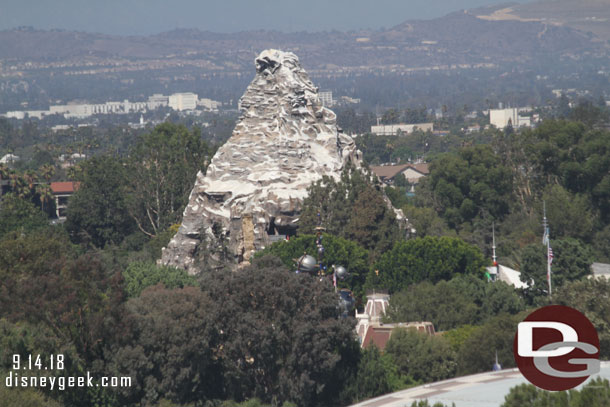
x,y
372,223
571,262
472,183
373,378
465,299
390,116
98,210
478,352
569,214
591,297
163,166
601,245
352,209
140,275
282,338
75,302
595,393
425,221
27,397
19,214
337,251
429,258
420,356
45,195
174,349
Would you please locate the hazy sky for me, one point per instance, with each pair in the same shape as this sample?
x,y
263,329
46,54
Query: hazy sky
x,y
153,16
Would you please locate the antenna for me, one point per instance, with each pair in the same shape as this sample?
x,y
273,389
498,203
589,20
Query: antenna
x,y
377,114
493,244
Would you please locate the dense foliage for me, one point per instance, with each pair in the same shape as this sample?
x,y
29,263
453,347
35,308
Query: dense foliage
x,y
352,208
337,251
421,357
470,185
264,335
595,393
162,166
425,259
464,299
145,193
141,275
98,210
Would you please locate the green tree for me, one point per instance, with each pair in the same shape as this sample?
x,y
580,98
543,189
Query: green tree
x,y
372,223
569,214
352,209
173,350
601,245
140,275
429,258
373,378
163,166
337,251
595,393
477,353
390,116
281,336
425,221
591,297
98,210
74,301
571,261
465,299
27,397
423,357
18,214
472,183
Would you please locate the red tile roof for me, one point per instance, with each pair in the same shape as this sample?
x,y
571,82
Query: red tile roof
x,y
64,187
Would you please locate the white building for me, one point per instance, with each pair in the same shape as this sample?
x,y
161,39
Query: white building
x,y
398,129
208,104
506,274
183,101
501,118
157,100
9,159
600,270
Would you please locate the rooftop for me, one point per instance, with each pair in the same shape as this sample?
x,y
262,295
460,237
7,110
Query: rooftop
x,y
479,390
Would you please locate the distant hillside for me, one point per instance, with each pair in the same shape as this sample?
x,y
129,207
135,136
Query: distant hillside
x,y
458,38
588,16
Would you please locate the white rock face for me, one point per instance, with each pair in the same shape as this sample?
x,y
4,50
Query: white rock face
x,y
256,182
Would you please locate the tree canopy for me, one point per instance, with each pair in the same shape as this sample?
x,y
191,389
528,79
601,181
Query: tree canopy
x,y
98,210
353,209
163,165
465,299
430,258
337,251
470,184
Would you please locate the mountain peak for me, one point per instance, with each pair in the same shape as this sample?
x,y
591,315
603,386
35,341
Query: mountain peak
x,y
254,187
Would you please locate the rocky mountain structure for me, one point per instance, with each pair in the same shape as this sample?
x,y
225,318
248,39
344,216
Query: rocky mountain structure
x,y
255,184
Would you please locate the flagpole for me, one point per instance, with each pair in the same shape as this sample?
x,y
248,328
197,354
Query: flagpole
x,y
546,239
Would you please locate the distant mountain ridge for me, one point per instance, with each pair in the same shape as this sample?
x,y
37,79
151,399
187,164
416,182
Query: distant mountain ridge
x,y
588,16
464,37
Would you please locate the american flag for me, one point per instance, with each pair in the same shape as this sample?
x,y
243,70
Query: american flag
x,y
550,255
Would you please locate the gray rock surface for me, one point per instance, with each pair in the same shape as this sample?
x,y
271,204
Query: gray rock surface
x,y
255,184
